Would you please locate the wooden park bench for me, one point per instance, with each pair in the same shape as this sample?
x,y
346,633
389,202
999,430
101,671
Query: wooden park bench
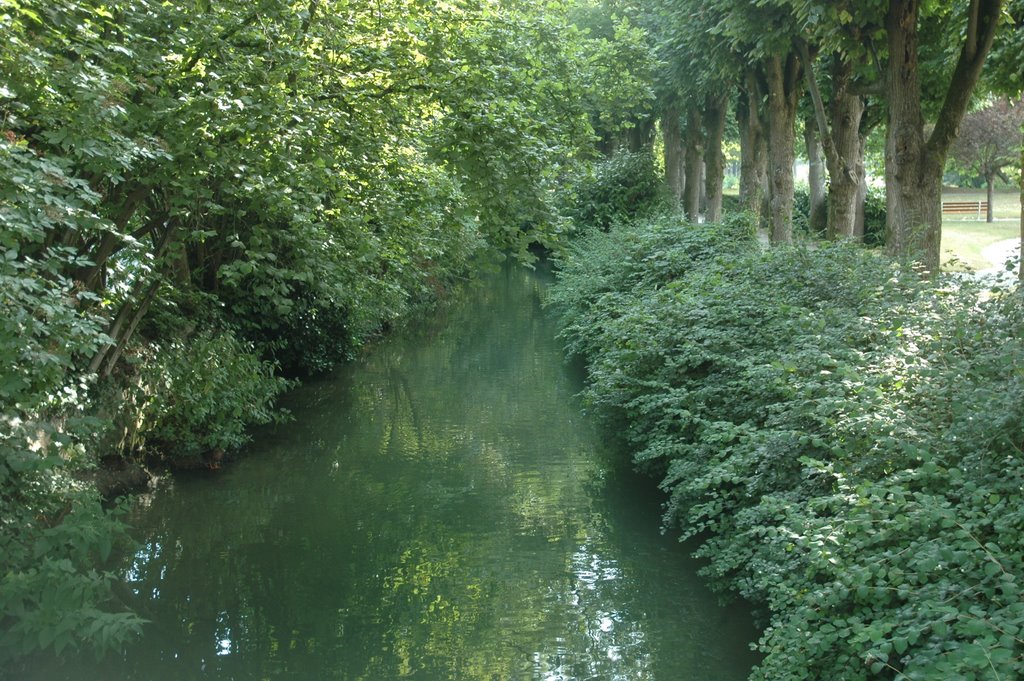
x,y
977,208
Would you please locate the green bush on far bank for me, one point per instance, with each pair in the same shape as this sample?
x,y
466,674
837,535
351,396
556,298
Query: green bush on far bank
x,y
624,186
842,439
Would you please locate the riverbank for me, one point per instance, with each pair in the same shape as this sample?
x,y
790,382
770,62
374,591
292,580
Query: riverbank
x,y
843,438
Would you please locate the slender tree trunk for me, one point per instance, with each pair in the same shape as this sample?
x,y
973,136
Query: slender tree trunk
x,y
753,149
715,111
672,137
747,185
782,74
990,182
92,276
1020,271
311,9
862,190
703,184
818,212
641,135
913,164
137,316
694,157
128,317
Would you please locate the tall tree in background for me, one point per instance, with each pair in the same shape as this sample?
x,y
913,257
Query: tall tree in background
x,y
832,36
1004,76
762,37
694,83
989,141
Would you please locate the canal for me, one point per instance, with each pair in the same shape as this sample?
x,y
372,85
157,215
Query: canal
x,y
440,508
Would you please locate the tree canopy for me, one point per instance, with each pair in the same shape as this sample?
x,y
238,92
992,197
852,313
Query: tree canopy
x,y
254,188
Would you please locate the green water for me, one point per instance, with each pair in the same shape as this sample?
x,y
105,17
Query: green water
x,y
440,509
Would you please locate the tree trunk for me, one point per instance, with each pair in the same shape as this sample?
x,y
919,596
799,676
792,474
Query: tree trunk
x,y
641,135
131,314
846,155
715,110
862,190
1020,271
913,204
608,144
129,331
782,74
93,275
694,157
990,182
703,184
817,215
840,137
747,181
672,137
913,165
753,152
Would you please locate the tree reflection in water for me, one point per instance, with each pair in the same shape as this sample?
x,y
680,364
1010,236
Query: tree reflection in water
x,y
440,509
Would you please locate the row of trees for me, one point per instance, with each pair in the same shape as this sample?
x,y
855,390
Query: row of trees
x,y
847,67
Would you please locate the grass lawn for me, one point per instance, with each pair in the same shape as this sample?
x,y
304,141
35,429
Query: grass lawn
x,y
964,237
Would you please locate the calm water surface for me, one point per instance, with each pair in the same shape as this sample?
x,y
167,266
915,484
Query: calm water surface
x,y
440,509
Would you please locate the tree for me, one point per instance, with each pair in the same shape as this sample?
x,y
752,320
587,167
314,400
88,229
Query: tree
x,y
693,84
988,141
761,36
914,161
1004,77
716,111
817,211
840,135
753,145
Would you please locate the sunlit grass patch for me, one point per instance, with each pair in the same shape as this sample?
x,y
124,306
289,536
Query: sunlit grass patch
x,y
965,238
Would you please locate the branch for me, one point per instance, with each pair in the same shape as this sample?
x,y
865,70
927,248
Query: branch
x,y
982,23
827,143
200,51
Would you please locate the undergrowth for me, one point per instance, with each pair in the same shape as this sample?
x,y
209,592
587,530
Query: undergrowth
x,y
842,439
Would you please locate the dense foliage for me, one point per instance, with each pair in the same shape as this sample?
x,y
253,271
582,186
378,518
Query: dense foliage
x,y
195,197
623,186
53,529
842,439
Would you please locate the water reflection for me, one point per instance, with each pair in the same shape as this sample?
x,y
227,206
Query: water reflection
x,y
441,510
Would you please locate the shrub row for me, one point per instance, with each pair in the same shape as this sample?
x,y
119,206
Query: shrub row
x,y
842,440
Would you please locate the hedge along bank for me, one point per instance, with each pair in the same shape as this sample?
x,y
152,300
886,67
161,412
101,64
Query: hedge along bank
x,y
842,439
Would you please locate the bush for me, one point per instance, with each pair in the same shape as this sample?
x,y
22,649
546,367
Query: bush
x,y
626,185
731,204
874,217
843,439
802,211
186,415
601,269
